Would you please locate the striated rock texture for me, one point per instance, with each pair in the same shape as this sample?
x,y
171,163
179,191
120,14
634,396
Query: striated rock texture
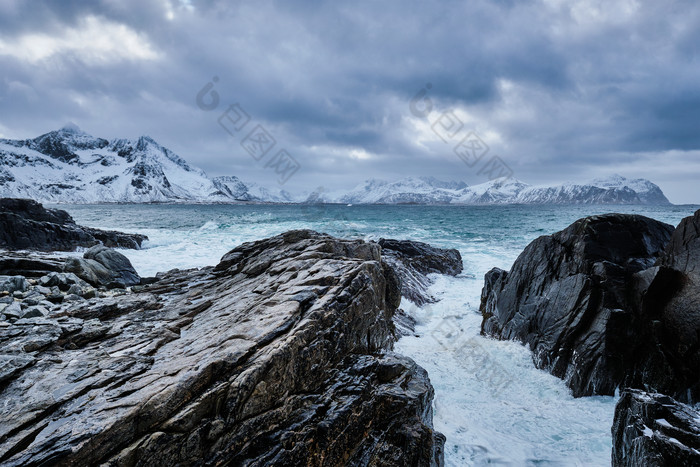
x,y
413,261
573,298
656,431
280,355
27,225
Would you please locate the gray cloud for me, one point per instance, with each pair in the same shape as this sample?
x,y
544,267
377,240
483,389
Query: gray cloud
x,y
559,89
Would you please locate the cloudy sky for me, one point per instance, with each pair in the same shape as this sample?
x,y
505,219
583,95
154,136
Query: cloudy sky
x,y
557,89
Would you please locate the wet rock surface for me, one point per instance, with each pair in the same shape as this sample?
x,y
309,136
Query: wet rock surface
x,y
27,225
280,355
568,297
413,261
612,303
655,430
670,314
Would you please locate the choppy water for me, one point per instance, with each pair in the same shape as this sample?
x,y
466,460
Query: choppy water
x,y
491,403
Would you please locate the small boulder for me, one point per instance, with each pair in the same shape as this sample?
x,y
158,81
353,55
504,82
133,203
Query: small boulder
x,y
55,298
33,299
13,283
35,312
101,266
61,280
116,263
13,310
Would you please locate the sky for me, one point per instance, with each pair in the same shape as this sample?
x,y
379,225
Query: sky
x,y
550,90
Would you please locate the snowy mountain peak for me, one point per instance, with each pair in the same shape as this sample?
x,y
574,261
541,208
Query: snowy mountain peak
x,y
71,127
71,166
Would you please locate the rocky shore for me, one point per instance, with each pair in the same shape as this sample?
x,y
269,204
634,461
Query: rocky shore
x,y
279,355
612,303
282,353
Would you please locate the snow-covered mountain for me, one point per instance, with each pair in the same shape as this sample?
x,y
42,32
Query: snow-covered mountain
x,y
417,190
70,166
424,190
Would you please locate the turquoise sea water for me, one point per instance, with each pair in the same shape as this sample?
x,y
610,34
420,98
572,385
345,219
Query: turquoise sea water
x,y
491,403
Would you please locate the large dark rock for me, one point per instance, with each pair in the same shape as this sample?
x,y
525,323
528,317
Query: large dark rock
x,y
281,355
571,297
27,225
668,330
413,261
654,430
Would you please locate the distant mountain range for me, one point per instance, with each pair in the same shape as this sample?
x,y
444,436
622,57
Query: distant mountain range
x,y
426,190
70,166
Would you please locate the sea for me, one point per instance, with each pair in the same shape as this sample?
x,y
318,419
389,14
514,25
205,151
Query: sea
x,y
490,402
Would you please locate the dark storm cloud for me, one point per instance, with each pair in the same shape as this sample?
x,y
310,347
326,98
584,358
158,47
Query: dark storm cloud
x,y
580,87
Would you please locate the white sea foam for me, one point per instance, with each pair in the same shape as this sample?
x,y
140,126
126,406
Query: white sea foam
x,y
491,403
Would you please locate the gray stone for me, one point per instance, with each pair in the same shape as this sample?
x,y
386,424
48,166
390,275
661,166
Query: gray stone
x,y
13,283
85,292
33,299
88,270
118,264
105,267
35,312
61,281
13,310
55,297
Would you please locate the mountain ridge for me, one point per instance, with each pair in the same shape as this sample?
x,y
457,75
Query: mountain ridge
x,y
71,166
